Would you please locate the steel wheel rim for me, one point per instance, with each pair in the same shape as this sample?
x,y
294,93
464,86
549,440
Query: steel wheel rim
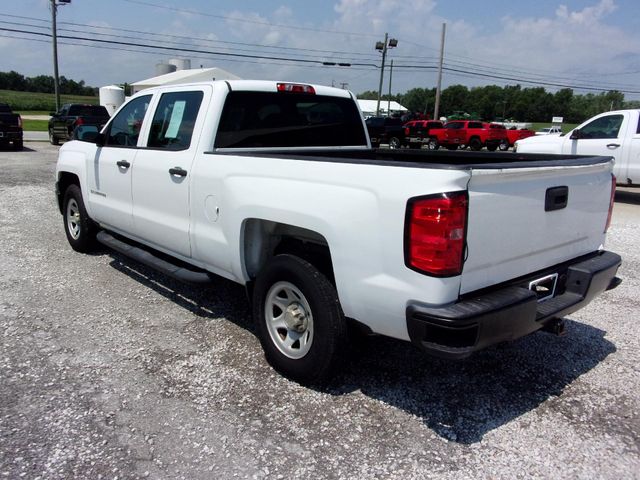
x,y
73,219
289,320
394,143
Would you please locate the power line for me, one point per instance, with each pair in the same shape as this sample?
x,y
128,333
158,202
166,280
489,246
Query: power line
x,y
244,20
321,62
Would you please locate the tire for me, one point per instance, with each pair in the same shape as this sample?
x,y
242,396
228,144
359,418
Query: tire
x,y
299,320
475,144
432,144
78,226
53,140
504,146
18,145
492,148
394,142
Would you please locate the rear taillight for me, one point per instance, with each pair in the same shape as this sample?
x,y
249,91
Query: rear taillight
x,y
79,121
19,121
435,233
406,131
295,88
611,201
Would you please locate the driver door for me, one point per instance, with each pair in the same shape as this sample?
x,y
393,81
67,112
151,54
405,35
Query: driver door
x,y
109,176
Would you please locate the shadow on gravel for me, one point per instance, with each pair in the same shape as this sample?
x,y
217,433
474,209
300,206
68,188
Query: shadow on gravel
x,y
632,198
459,400
462,401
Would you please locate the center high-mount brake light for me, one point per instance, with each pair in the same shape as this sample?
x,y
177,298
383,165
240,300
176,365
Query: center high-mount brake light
x,y
435,233
296,88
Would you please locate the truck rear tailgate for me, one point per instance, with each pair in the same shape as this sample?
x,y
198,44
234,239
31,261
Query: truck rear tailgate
x,y
518,222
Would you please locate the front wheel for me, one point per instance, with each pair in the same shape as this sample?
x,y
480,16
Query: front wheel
x,y
299,320
394,142
432,144
78,226
475,144
504,146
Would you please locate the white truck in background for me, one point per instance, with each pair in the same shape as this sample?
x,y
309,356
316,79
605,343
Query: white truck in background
x,y
275,186
615,134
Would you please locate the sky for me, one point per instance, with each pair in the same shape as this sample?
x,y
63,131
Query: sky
x,y
590,45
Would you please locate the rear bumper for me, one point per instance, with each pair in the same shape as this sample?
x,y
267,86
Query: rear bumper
x,y
511,311
10,136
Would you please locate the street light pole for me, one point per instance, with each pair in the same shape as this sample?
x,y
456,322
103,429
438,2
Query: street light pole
x,y
56,85
389,99
436,110
384,56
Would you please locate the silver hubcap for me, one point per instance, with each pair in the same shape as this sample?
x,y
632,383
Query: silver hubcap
x,y
289,320
73,219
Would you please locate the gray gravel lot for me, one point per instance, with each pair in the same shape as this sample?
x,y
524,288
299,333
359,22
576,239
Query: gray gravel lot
x,y
110,370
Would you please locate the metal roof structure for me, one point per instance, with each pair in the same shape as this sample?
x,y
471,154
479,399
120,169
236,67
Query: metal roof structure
x,y
184,76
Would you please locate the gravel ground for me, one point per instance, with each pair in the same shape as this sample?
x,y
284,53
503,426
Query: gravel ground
x,y
110,370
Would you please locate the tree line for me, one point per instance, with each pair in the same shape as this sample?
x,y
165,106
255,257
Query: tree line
x,y
493,102
43,84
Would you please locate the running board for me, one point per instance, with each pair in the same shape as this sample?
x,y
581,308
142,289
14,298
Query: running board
x,y
150,260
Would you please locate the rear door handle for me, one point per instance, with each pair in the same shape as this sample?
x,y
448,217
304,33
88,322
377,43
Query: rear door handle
x,y
613,145
177,171
123,164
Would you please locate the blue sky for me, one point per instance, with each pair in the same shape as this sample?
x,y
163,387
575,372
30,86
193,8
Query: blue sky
x,y
586,44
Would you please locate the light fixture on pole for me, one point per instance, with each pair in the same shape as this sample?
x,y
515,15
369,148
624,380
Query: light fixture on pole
x,y
382,47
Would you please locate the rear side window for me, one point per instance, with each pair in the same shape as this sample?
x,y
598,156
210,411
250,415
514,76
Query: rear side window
x,y
173,120
475,125
265,119
454,125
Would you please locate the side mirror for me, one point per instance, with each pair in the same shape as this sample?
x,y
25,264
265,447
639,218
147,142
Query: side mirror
x,y
575,135
100,139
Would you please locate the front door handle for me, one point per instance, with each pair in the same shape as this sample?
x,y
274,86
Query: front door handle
x,y
123,164
177,171
613,145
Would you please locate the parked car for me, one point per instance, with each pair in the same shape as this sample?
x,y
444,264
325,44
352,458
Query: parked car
x,y
614,134
274,185
554,130
63,123
388,130
476,134
10,127
497,137
515,134
421,132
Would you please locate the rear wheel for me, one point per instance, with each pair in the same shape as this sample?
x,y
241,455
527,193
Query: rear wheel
x,y
53,140
299,320
18,145
504,146
432,144
492,148
475,144
78,226
394,142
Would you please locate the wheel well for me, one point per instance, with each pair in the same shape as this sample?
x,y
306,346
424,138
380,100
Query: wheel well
x,y
264,239
65,179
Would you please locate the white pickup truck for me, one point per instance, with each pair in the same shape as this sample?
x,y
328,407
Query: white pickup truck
x,y
275,186
612,134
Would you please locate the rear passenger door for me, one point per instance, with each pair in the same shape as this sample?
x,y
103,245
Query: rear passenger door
x,y
162,170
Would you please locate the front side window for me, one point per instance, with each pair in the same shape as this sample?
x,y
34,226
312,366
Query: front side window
x,y
174,119
266,119
124,129
603,127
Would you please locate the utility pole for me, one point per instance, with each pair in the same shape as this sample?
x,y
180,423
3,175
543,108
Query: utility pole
x,y
436,110
56,85
389,99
